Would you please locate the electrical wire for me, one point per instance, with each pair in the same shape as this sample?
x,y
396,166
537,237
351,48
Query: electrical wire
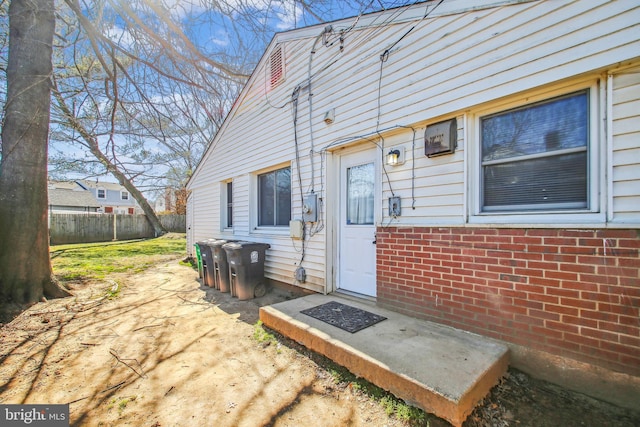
x,y
384,57
326,30
379,109
361,38
413,166
294,104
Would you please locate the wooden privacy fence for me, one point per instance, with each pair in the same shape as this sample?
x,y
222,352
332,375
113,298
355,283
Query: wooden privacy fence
x,y
86,228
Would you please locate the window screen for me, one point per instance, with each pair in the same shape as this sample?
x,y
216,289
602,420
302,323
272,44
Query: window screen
x,y
535,157
229,204
274,197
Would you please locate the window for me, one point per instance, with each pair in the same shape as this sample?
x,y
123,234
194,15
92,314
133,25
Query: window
x,y
102,193
124,195
229,204
274,198
536,157
360,194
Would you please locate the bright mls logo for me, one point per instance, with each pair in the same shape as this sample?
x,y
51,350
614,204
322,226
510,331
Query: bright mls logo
x,y
34,415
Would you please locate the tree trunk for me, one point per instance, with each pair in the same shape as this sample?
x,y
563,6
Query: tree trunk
x,y
25,266
158,228
91,142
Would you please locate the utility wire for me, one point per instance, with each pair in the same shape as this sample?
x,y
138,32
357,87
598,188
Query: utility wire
x,y
384,57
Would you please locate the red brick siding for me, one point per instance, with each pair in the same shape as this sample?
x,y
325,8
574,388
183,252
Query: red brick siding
x,y
574,293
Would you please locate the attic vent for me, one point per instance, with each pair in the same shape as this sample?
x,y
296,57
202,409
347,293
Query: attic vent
x,y
277,68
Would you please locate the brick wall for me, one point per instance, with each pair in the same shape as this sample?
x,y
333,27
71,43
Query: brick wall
x,y
573,293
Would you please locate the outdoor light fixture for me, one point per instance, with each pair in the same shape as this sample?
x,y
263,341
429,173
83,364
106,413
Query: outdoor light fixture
x,y
393,157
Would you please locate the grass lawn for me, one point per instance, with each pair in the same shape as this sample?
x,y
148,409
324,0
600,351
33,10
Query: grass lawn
x,y
96,260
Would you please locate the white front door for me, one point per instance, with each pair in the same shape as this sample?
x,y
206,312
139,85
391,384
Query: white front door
x,y
356,233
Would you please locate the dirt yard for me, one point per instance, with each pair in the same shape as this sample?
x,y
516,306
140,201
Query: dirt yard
x,y
158,349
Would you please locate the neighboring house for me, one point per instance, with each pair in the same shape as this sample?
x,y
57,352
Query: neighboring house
x,y
160,205
90,196
172,201
112,197
166,201
473,163
68,197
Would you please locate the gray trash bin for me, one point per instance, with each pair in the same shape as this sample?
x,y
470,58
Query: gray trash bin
x,y
207,261
220,267
246,268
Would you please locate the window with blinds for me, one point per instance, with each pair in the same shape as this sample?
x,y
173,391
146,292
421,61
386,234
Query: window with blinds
x,y
536,157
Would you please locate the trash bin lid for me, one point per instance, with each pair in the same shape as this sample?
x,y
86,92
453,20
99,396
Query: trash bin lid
x,y
245,244
218,243
214,243
236,245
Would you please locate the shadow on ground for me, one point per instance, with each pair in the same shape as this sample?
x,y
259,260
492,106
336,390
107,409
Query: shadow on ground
x,y
160,349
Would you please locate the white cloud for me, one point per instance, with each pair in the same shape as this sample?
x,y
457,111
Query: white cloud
x,y
222,42
120,36
286,12
289,15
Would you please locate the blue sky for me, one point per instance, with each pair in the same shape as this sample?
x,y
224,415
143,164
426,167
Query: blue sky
x,y
253,22
237,36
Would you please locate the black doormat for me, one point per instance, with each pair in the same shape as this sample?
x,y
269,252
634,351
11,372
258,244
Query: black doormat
x,y
343,316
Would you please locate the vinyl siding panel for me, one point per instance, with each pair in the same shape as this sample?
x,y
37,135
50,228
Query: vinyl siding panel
x,y
626,149
436,183
453,70
445,66
257,138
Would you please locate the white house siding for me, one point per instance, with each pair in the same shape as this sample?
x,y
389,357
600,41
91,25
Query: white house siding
x,y
203,211
447,64
258,137
461,57
450,64
626,150
431,189
190,225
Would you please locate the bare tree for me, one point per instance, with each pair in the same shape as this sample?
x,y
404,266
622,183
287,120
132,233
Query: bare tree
x,y
134,86
151,89
25,270
143,102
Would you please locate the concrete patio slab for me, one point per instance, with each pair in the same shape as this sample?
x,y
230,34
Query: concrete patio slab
x,y
442,370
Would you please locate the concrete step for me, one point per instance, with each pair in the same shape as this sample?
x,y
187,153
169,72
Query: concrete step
x,y
442,370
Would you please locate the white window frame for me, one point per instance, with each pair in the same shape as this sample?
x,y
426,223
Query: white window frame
x,y
224,205
104,192
254,194
122,195
596,160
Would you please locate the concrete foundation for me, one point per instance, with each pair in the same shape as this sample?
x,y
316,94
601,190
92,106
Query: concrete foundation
x,y
439,369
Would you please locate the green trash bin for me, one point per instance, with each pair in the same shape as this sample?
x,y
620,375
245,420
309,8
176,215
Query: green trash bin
x,y
198,259
246,268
